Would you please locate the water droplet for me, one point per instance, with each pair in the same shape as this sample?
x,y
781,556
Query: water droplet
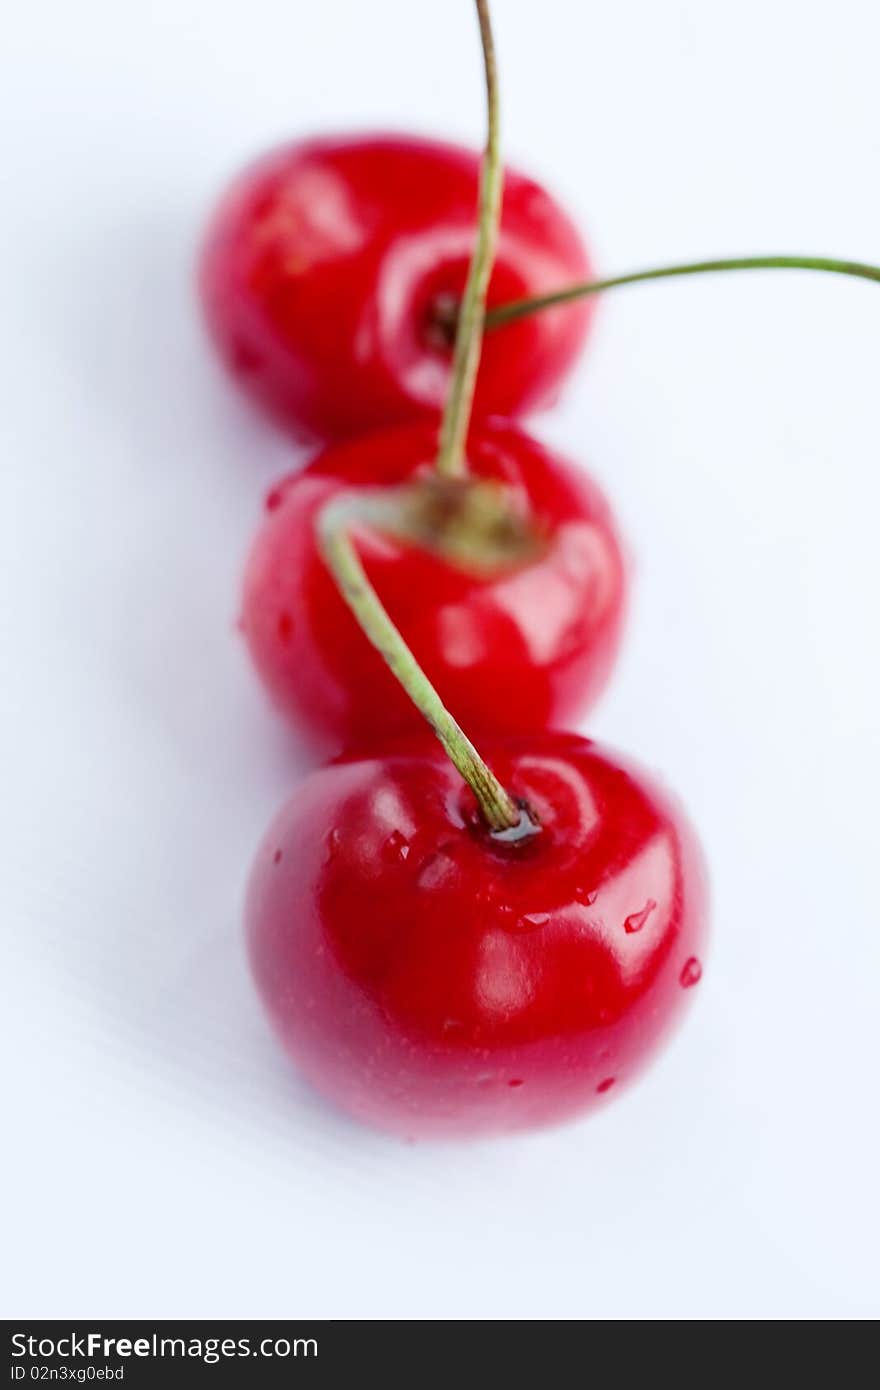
x,y
530,920
514,1083
691,972
274,498
334,840
637,920
396,848
276,857
586,895
452,1025
605,1085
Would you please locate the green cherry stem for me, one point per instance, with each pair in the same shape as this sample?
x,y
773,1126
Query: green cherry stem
x,y
521,308
469,329
499,810
338,517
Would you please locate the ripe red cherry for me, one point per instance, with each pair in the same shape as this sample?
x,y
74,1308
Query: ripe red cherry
x,y
521,649
329,262
434,979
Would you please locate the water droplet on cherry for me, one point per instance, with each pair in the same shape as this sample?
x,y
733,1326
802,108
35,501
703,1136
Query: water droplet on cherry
x,y
516,1082
691,972
586,895
530,920
276,857
605,1085
637,920
396,848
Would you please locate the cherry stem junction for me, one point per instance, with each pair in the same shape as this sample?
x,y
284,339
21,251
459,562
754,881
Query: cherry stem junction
x,y
469,328
499,810
521,308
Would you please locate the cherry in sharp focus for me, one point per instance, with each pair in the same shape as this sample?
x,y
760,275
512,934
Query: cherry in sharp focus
x,y
438,980
332,271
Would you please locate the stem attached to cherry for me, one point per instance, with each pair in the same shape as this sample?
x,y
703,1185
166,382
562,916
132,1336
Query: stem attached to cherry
x,y
522,308
499,810
469,328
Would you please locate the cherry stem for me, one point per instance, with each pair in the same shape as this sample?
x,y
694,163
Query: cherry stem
x,y
469,329
499,810
521,308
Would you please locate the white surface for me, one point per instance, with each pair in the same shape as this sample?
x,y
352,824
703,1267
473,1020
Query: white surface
x,y
161,1158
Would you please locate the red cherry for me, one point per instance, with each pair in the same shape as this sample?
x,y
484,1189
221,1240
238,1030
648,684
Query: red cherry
x,y
435,979
329,262
515,650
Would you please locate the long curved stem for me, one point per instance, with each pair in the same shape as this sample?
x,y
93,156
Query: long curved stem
x,y
499,809
521,308
469,332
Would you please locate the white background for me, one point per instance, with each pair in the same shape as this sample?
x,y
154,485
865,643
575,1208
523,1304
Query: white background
x,y
161,1158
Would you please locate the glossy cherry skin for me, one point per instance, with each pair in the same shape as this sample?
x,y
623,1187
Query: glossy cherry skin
x,y
323,263
513,651
435,981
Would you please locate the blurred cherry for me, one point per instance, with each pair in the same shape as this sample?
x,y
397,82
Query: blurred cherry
x,y
331,273
525,646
